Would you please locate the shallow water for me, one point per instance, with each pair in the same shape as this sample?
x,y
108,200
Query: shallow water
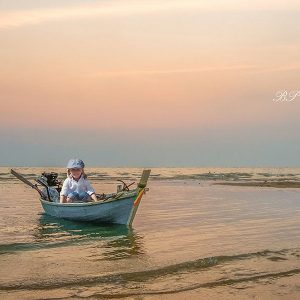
x,y
190,239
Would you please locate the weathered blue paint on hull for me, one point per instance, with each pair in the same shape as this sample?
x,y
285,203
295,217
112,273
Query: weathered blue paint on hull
x,y
117,211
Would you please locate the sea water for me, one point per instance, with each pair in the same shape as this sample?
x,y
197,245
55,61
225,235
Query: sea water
x,y
190,239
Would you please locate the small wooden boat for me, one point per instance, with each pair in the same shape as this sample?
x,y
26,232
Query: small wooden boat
x,y
118,208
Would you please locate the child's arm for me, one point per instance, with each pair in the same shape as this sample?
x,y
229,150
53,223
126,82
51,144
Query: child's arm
x,y
63,192
94,197
91,191
62,199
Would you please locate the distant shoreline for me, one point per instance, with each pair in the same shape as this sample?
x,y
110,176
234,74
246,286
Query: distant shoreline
x,y
275,184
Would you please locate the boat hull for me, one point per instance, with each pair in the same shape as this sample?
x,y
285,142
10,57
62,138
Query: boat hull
x,y
118,211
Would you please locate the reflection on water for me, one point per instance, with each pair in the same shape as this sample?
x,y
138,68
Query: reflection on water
x,y
50,226
111,242
117,241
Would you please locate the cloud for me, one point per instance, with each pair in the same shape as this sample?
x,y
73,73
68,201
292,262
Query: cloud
x,y
279,68
170,71
89,10
17,18
249,68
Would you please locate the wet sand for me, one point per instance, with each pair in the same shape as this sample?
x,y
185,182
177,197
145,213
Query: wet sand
x,y
275,184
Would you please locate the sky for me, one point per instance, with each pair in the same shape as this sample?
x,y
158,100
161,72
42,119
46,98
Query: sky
x,y
150,83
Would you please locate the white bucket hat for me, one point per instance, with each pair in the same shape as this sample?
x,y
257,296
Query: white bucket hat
x,y
75,163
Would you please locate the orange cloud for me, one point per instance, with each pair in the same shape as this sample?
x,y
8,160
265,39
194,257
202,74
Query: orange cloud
x,y
16,18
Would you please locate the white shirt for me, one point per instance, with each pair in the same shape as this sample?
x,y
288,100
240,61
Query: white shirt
x,y
71,185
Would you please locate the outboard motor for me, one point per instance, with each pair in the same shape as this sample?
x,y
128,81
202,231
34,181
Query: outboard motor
x,y
51,184
51,178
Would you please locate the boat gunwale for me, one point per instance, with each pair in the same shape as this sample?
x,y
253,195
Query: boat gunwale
x,y
130,194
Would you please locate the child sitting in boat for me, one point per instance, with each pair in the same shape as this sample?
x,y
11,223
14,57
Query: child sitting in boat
x,y
76,187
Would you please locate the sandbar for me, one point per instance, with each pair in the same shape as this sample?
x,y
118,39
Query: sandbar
x,y
275,184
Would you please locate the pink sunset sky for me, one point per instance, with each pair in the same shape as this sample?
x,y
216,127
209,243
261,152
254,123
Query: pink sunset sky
x,y
162,83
